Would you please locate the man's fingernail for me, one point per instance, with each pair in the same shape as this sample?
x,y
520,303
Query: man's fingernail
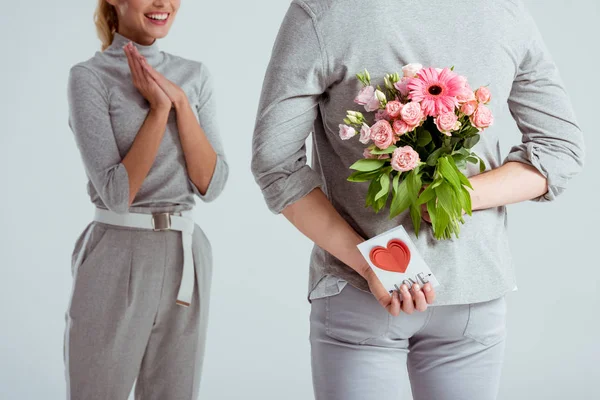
x,y
428,288
416,287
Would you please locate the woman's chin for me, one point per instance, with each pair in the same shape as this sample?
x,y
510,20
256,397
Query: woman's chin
x,y
157,32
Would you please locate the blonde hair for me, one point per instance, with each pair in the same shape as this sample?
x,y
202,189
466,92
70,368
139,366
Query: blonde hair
x,y
107,22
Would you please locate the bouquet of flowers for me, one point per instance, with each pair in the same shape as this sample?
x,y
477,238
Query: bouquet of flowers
x,y
424,125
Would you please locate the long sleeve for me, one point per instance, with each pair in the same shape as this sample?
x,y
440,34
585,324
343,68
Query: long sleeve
x,y
90,123
288,107
207,111
552,142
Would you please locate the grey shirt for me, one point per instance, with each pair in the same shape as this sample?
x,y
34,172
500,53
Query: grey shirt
x,y
310,83
105,114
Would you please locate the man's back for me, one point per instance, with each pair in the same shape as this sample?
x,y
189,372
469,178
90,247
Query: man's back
x,y
311,83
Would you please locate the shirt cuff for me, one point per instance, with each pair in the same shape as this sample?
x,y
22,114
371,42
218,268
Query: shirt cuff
x,y
291,188
115,191
216,184
530,154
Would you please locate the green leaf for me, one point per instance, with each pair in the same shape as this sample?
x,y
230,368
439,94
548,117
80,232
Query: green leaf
x,y
441,223
458,157
446,198
423,137
401,200
389,150
367,164
466,203
470,131
426,196
410,185
360,176
395,182
436,183
415,215
463,179
417,182
384,181
432,211
481,165
471,141
473,160
433,157
374,187
448,172
464,152
380,203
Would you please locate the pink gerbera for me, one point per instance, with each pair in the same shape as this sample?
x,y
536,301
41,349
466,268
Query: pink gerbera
x,y
436,91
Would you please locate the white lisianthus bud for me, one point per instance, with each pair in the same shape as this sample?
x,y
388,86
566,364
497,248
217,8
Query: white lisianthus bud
x,y
380,95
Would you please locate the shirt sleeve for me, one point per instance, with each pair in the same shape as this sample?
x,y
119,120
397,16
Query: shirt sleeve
x,y
552,141
89,120
294,81
207,111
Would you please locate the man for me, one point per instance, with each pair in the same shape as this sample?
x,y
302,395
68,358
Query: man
x,y
360,340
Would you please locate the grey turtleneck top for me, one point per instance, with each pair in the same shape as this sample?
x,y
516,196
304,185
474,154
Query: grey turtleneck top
x,y
106,112
310,83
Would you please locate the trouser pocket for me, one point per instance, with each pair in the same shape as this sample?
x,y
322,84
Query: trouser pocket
x,y
487,321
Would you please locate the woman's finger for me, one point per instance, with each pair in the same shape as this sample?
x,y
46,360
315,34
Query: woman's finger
x,y
429,293
136,64
419,297
134,74
145,66
407,300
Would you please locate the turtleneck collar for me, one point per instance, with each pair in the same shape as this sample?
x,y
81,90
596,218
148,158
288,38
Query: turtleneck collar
x,y
116,47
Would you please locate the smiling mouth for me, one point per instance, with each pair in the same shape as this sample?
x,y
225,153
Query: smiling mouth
x,y
159,18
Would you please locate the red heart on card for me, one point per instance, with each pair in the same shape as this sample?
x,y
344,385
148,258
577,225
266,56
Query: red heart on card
x,y
395,257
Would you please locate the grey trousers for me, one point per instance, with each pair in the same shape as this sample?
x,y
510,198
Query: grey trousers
x,y
360,352
122,322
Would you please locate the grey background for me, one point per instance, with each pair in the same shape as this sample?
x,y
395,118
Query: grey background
x,y
258,335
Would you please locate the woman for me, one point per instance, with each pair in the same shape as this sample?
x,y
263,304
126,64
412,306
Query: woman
x,y
144,123
454,349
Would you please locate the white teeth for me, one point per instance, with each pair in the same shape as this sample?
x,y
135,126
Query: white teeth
x,y
159,17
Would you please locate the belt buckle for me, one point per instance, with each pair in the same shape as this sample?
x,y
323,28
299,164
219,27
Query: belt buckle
x,y
161,221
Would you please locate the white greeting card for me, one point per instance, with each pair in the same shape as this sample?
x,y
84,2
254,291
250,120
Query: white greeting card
x,y
396,260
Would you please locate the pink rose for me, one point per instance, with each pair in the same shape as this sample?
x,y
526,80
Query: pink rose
x,y
465,95
393,108
482,117
447,122
483,95
412,114
402,86
365,134
346,132
381,114
382,134
400,127
405,159
410,70
469,107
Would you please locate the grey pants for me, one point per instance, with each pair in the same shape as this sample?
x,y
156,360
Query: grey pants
x,y
123,324
360,352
